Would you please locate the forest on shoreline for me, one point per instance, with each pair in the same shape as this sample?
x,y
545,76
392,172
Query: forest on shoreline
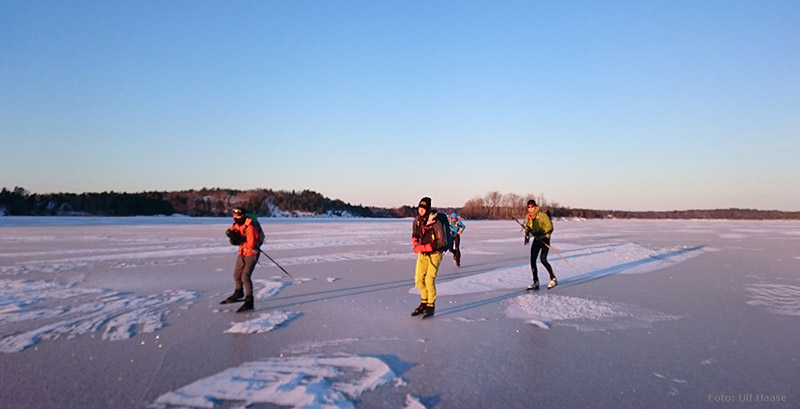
x,y
269,203
495,205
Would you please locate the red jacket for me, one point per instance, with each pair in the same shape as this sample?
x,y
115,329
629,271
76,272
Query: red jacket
x,y
422,233
248,248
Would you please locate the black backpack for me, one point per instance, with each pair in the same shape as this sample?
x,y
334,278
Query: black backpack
x,y
442,241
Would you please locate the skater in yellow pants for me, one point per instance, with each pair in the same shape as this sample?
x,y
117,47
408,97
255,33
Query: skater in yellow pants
x,y
425,277
426,237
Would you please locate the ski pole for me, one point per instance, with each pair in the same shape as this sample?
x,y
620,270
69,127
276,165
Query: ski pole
x,y
556,251
520,223
276,263
548,246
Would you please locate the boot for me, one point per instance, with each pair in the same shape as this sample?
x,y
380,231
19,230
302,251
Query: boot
x,y
248,304
419,310
236,296
553,283
428,312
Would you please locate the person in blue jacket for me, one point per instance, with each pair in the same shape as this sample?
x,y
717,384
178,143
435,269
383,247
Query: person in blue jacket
x,y
456,228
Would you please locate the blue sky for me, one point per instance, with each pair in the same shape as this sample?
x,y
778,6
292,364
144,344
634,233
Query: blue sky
x,y
629,105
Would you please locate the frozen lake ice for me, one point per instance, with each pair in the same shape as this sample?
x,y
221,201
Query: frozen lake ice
x,y
123,312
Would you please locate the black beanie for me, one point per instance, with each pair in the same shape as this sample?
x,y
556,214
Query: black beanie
x,y
531,202
425,202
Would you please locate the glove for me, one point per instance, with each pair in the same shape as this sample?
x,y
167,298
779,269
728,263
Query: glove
x,y
235,237
431,218
423,248
527,238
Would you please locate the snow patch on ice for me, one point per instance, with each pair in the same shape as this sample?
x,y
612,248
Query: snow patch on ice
x,y
595,262
781,299
351,256
268,288
319,382
178,253
306,347
465,319
264,323
543,310
345,240
16,296
733,236
539,323
116,315
121,258
42,267
413,402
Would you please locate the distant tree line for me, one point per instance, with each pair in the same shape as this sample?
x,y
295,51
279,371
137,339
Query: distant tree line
x,y
495,205
270,203
204,202
264,202
398,212
728,214
19,202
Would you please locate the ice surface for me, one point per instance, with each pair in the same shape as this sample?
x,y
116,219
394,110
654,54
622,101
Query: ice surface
x,y
781,299
124,312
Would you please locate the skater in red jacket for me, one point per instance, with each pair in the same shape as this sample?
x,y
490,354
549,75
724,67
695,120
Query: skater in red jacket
x,y
245,234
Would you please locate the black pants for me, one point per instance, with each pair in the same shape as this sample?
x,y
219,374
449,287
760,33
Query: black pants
x,y
457,249
540,245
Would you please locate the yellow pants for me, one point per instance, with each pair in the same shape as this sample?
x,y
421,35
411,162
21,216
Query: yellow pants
x,y
425,276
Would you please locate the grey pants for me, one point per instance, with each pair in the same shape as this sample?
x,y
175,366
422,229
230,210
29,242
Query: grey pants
x,y
242,272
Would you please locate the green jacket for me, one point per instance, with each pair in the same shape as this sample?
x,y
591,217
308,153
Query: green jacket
x,y
538,223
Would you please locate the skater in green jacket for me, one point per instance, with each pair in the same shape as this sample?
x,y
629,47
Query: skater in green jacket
x,y
538,225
